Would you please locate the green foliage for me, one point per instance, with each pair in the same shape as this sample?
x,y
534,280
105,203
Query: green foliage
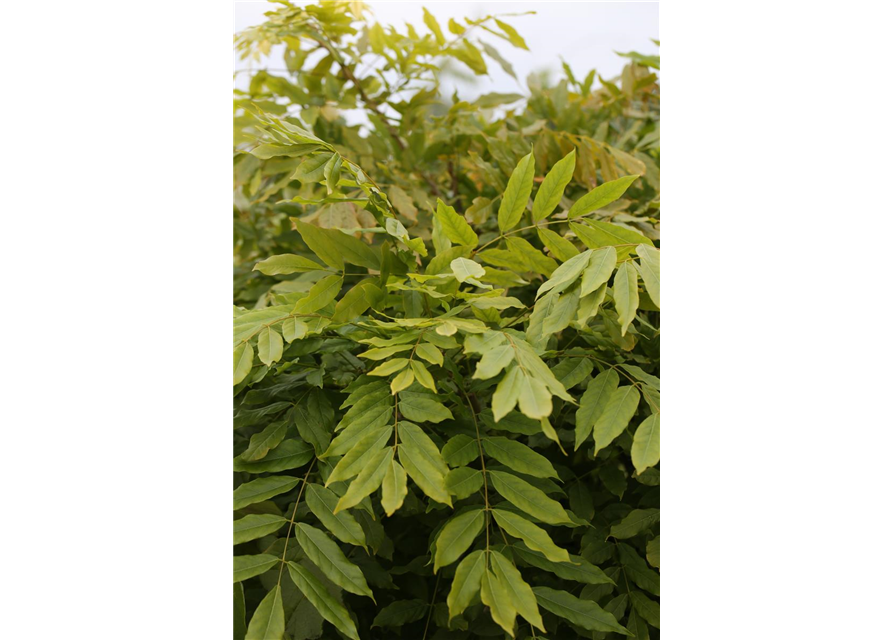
x,y
446,340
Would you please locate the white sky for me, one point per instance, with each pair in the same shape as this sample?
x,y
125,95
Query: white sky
x,y
585,34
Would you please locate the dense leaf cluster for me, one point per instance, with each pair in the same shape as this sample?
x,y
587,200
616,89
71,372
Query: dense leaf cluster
x,y
446,340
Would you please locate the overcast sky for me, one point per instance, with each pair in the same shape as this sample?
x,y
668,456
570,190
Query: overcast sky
x,y
585,34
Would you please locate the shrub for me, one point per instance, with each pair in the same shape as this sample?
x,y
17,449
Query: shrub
x,y
446,340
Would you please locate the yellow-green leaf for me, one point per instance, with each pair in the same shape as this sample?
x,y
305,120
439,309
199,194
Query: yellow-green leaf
x,y
393,488
268,621
519,456
549,194
454,226
649,269
602,195
262,489
269,346
464,269
369,480
646,443
517,193
325,554
245,567
528,498
243,357
255,526
466,582
617,413
562,248
316,592
321,294
495,595
533,536
521,594
286,263
598,271
456,536
593,403
422,460
402,380
342,525
626,295
423,376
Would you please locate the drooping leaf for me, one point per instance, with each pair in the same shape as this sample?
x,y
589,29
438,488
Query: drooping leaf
x,y
552,188
649,269
243,357
593,403
355,302
261,443
291,454
335,248
533,536
329,608
635,522
314,418
637,570
517,193
598,271
262,489
626,294
268,621
576,568
561,248
402,380
466,582
321,294
616,415
460,450
369,480
602,195
342,525
566,274
256,526
646,607
519,457
520,593
463,482
422,375
646,444
454,226
353,462
325,554
494,361
528,498
456,536
423,407
400,613
245,567
583,613
422,460
285,264
393,488
496,595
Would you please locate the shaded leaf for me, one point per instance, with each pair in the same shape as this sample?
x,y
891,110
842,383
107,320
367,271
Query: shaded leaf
x,y
583,613
245,567
329,608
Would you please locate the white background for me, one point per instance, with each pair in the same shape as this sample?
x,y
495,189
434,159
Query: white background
x,y
776,20
585,34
